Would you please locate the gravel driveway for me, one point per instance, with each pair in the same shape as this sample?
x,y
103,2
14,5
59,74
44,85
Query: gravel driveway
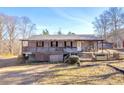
x,y
27,74
8,61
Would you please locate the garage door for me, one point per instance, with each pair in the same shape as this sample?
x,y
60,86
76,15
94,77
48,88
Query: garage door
x,y
42,57
55,58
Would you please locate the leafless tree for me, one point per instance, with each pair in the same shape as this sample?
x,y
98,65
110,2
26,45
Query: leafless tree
x,y
98,27
101,25
2,31
109,22
104,24
115,22
27,28
11,27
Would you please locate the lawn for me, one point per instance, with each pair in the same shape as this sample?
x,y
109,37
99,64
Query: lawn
x,y
92,73
88,73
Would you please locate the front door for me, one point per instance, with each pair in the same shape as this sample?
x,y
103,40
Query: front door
x,y
78,45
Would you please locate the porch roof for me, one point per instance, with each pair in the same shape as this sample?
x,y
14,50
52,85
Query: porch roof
x,y
64,37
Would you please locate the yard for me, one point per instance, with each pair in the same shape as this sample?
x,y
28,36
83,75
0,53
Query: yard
x,y
92,73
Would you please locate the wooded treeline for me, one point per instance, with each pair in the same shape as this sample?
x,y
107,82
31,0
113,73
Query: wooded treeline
x,y
109,23
13,28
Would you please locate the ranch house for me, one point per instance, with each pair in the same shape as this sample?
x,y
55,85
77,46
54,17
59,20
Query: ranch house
x,y
53,48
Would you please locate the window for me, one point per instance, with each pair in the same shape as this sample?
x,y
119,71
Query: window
x,y
25,43
40,44
36,44
51,44
71,44
54,43
65,43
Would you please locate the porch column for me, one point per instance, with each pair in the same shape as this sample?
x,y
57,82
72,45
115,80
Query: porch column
x,y
36,42
102,46
21,46
97,45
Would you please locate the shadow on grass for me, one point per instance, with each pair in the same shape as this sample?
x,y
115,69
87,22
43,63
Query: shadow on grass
x,y
30,78
88,79
50,73
105,76
63,65
89,65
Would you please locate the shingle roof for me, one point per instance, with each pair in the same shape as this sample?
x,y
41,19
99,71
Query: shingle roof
x,y
63,37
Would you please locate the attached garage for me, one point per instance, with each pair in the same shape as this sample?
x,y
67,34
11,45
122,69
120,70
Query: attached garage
x,y
55,58
42,57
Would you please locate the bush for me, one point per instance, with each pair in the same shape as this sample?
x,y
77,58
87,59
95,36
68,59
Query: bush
x,y
73,59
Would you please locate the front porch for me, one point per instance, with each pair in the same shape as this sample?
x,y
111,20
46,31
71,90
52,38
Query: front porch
x,y
61,46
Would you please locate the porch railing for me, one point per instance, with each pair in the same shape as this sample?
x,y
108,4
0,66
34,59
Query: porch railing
x,y
43,49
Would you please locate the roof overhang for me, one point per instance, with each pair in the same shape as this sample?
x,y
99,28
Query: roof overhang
x,y
61,40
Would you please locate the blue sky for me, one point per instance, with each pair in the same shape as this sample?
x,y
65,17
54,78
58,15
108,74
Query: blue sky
x,y
74,19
